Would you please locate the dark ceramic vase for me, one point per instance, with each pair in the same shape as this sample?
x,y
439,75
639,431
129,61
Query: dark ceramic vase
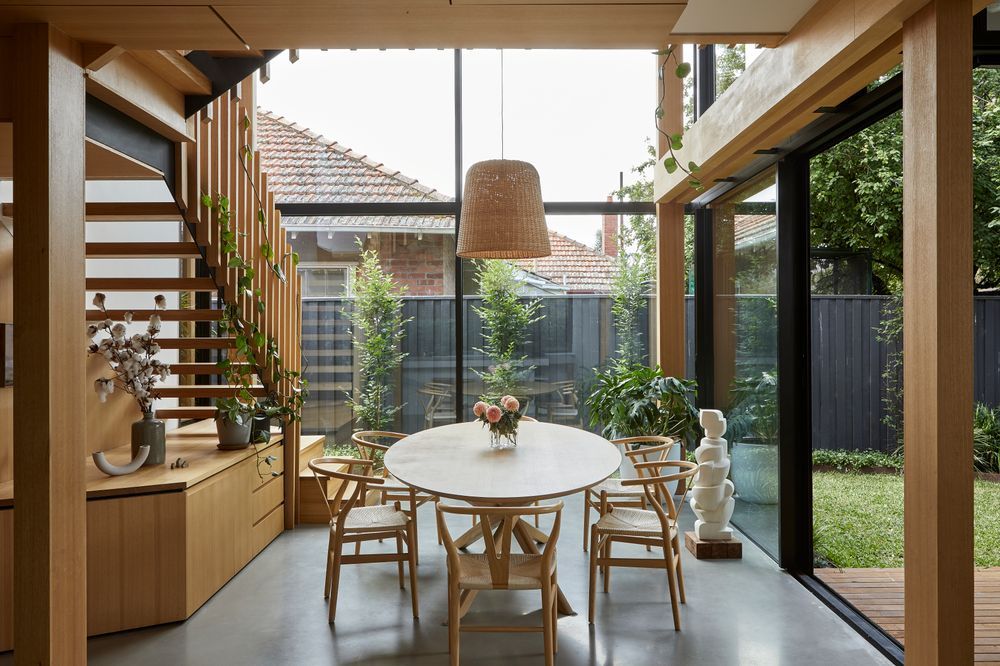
x,y
152,433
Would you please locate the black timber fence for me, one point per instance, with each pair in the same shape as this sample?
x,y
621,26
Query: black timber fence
x,y
850,398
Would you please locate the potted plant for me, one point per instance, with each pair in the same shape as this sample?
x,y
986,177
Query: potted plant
x,y
631,399
136,372
234,422
753,433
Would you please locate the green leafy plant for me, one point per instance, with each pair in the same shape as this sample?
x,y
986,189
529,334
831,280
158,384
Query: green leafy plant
x,y
754,411
377,330
853,461
986,438
255,354
506,318
674,142
632,400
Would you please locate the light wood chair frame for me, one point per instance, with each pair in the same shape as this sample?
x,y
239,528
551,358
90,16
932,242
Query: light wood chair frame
x,y
349,495
367,449
437,395
654,486
601,499
498,525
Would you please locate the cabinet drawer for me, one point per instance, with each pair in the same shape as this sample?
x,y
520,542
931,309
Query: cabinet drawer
x,y
260,472
268,528
267,497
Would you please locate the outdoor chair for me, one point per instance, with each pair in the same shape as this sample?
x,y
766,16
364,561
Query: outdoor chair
x,y
613,491
653,528
353,522
567,408
371,447
440,403
498,568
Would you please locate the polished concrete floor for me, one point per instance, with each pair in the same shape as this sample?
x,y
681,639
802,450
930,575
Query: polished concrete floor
x,y
273,612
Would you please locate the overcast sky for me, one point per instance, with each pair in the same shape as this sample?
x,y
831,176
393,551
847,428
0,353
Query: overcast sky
x,y
580,117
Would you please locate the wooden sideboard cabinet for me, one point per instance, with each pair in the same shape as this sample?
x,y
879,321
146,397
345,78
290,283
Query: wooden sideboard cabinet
x,y
161,542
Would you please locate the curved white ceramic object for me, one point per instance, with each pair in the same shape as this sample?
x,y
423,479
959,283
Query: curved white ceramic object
x,y
114,470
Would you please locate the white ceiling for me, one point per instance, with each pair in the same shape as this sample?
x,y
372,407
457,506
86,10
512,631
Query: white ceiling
x,y
742,16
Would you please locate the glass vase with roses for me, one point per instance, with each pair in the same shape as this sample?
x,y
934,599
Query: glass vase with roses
x,y
501,420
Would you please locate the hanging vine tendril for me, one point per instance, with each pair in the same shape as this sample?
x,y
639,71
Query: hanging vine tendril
x,y
674,141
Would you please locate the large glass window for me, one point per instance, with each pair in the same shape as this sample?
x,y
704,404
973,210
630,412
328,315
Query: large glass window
x,y
745,265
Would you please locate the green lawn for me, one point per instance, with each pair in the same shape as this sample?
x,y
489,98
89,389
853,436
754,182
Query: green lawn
x,y
858,520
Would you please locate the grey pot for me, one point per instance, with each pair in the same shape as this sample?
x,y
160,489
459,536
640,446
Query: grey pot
x,y
150,432
755,472
233,435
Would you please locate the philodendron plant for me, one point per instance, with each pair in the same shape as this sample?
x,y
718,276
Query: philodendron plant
x,y
629,400
754,414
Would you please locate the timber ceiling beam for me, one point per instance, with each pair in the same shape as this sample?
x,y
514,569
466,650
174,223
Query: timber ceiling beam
x,y
836,49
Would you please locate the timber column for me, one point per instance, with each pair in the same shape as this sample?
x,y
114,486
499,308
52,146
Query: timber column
x,y
937,332
50,521
670,238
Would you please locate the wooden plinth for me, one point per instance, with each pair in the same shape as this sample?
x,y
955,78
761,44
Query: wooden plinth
x,y
713,550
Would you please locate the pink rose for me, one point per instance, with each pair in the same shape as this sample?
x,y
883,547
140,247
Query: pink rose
x,y
493,414
479,408
511,403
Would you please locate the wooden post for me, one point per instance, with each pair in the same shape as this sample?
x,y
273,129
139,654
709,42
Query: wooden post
x,y
670,241
937,333
50,572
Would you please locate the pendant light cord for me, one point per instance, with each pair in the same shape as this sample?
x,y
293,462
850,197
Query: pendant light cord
x,y
501,103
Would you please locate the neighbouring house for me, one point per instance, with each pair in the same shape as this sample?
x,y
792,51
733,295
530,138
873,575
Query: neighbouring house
x,y
419,251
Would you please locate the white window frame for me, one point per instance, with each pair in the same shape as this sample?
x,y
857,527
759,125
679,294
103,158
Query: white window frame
x,y
347,265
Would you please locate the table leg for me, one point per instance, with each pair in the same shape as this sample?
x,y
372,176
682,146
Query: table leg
x,y
472,535
527,542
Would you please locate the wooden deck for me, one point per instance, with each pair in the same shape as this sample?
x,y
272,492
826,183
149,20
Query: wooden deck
x,y
878,593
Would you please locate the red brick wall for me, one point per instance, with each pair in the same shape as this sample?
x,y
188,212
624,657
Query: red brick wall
x,y
422,265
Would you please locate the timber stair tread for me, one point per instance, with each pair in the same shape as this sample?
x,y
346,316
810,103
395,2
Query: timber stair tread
x,y
143,251
125,211
165,315
150,284
186,413
196,343
206,391
195,369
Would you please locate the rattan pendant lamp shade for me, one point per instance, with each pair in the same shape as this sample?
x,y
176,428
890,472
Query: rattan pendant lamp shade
x,y
502,212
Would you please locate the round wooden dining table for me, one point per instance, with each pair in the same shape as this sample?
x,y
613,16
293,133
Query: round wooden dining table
x,y
550,461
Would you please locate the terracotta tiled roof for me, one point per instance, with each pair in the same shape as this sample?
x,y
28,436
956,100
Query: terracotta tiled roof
x,y
752,229
303,166
573,265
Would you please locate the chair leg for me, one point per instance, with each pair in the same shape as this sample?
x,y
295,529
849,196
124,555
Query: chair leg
x,y
413,522
399,562
594,551
607,567
586,518
676,554
674,606
554,612
335,579
329,567
454,618
437,500
547,621
411,536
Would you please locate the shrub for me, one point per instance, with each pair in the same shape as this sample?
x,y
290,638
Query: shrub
x,y
848,461
986,438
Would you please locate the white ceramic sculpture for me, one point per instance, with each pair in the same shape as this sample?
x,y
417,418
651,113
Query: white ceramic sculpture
x,y
712,495
120,470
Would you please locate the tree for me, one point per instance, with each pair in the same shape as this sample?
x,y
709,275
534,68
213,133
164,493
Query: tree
x,y
377,334
506,318
856,193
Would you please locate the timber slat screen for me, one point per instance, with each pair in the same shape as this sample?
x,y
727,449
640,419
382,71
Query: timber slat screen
x,y
225,164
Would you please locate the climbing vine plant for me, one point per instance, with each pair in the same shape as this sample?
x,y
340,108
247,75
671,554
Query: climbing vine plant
x,y
674,141
255,352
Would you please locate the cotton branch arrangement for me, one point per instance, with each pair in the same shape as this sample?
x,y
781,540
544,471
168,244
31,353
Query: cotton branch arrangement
x,y
131,359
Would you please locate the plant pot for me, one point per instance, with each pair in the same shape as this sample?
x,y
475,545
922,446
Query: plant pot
x,y
755,472
152,433
233,435
260,423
